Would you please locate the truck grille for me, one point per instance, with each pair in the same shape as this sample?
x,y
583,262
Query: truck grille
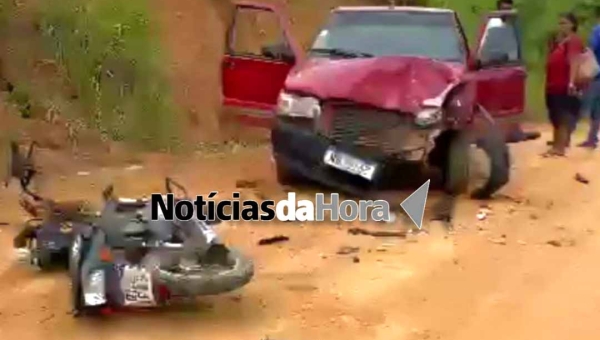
x,y
371,129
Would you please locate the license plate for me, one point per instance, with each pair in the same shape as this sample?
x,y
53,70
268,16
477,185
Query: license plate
x,y
136,285
349,164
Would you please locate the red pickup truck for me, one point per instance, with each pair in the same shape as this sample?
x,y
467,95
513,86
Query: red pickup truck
x,y
381,88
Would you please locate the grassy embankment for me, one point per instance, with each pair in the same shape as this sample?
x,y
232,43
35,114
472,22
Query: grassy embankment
x,y
107,54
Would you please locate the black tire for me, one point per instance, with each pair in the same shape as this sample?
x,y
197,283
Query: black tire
x,y
456,164
495,147
285,176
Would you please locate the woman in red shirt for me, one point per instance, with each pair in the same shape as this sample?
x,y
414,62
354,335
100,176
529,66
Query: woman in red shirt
x,y
562,93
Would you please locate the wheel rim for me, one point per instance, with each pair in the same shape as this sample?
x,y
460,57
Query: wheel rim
x,y
479,168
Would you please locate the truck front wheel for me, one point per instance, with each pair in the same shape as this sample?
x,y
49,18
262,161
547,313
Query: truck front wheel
x,y
455,155
496,149
456,172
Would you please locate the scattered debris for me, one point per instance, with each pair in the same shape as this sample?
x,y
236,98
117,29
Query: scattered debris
x,y
517,200
482,215
384,247
484,212
134,168
355,259
579,178
48,318
501,240
246,184
361,231
554,243
563,242
272,240
346,250
301,287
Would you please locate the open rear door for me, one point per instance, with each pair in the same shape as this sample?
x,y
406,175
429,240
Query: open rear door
x,y
260,52
501,74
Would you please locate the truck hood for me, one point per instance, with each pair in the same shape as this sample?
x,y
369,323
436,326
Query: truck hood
x,y
391,83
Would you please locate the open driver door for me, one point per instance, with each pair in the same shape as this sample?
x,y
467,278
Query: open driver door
x,y
501,68
501,73
260,53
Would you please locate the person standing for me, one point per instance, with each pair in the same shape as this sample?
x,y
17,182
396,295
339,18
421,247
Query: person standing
x,y
562,94
592,95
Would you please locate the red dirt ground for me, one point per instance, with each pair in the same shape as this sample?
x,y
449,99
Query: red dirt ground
x,y
468,284
462,285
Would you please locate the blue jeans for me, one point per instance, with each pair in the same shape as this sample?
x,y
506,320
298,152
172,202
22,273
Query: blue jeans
x,y
591,105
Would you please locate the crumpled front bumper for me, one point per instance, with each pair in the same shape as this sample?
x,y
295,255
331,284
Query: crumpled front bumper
x,y
301,152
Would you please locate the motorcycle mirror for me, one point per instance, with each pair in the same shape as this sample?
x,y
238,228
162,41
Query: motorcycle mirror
x,y
170,183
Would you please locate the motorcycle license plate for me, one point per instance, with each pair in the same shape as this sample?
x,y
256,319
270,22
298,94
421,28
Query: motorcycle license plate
x,y
136,285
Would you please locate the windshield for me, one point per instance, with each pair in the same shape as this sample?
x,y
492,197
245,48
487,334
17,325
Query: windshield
x,y
391,33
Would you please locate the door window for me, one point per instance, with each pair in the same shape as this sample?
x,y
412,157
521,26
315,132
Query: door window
x,y
500,42
258,34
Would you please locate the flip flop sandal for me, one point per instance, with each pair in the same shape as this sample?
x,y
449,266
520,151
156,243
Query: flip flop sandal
x,y
553,153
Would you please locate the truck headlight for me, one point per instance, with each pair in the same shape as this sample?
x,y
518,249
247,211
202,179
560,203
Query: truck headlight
x,y
295,106
428,117
94,292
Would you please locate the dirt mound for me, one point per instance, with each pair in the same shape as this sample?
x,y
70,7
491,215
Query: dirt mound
x,y
193,33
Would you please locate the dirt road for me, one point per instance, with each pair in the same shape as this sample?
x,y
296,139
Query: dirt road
x,y
492,279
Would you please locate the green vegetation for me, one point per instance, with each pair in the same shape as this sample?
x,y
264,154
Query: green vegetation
x,y
112,58
538,21
109,54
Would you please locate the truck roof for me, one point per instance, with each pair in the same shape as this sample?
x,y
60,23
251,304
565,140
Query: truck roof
x,y
392,8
